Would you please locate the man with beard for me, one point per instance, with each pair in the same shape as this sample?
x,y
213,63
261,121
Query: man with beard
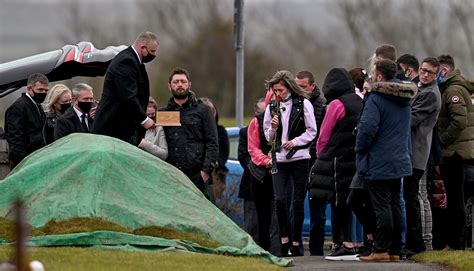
x,y
193,146
121,113
76,119
25,118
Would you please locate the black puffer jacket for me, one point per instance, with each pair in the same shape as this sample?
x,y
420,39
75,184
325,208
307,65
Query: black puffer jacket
x,y
319,106
333,170
193,146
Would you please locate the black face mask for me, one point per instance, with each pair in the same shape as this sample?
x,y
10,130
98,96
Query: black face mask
x,y
39,97
85,106
64,107
148,58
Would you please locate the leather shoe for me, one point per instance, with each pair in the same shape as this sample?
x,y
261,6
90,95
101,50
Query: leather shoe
x,y
394,258
376,257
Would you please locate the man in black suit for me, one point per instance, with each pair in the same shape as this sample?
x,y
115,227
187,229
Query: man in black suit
x,y
25,118
121,113
76,119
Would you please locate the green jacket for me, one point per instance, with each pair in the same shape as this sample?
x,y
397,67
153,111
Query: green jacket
x,y
456,118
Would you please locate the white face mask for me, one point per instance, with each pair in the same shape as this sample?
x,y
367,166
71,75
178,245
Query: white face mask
x,y
472,101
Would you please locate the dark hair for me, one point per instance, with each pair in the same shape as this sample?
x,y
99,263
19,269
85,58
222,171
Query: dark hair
x,y
387,51
359,76
409,61
433,61
306,74
179,71
387,68
446,60
37,77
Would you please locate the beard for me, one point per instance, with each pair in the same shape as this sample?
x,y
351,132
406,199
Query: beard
x,y
180,93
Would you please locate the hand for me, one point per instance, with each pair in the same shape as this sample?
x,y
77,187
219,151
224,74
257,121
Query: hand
x,y
275,122
205,176
92,112
269,164
149,124
142,143
288,145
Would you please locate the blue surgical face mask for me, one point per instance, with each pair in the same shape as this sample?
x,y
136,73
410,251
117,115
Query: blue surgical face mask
x,y
440,77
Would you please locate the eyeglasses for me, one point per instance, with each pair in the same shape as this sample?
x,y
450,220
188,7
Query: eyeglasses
x,y
425,71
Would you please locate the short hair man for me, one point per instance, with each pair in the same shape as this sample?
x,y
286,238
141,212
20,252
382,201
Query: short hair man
x,y
410,65
386,51
193,146
425,109
76,119
384,136
456,131
126,91
25,119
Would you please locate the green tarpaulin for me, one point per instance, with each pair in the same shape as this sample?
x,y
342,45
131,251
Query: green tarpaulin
x,y
84,175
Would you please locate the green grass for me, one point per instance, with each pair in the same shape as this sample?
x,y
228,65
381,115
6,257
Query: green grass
x,y
91,224
456,260
231,122
90,259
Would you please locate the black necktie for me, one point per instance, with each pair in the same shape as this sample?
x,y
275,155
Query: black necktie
x,y
83,122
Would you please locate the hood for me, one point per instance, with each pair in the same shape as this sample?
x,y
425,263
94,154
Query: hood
x,y
454,78
337,83
268,97
396,90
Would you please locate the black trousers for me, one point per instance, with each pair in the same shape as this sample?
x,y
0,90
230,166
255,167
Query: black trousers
x,y
262,194
414,233
317,229
360,203
341,223
196,178
385,196
453,220
297,172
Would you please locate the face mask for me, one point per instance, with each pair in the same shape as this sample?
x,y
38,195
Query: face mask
x,y
84,106
440,77
148,57
39,97
64,107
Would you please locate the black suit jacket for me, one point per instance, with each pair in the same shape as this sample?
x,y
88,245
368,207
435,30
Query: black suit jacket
x,y
24,122
124,99
69,123
244,159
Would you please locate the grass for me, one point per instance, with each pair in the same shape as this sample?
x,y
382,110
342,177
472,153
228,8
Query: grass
x,y
90,259
231,122
456,260
90,224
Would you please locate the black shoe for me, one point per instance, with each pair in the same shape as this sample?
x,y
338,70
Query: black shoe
x,y
284,249
295,251
342,254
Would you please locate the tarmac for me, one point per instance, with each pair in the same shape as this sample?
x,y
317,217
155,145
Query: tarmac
x,y
306,263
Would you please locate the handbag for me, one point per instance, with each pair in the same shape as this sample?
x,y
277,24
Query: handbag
x,y
436,188
256,171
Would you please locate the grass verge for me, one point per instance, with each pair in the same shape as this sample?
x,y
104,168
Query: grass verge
x,y
90,259
456,260
91,224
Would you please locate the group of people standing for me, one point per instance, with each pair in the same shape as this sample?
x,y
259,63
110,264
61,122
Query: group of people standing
x,y
353,145
375,138
198,147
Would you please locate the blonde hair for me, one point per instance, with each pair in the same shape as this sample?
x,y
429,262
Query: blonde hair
x,y
152,103
53,96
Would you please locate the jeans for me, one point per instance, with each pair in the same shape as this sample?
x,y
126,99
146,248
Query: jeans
x,y
297,172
